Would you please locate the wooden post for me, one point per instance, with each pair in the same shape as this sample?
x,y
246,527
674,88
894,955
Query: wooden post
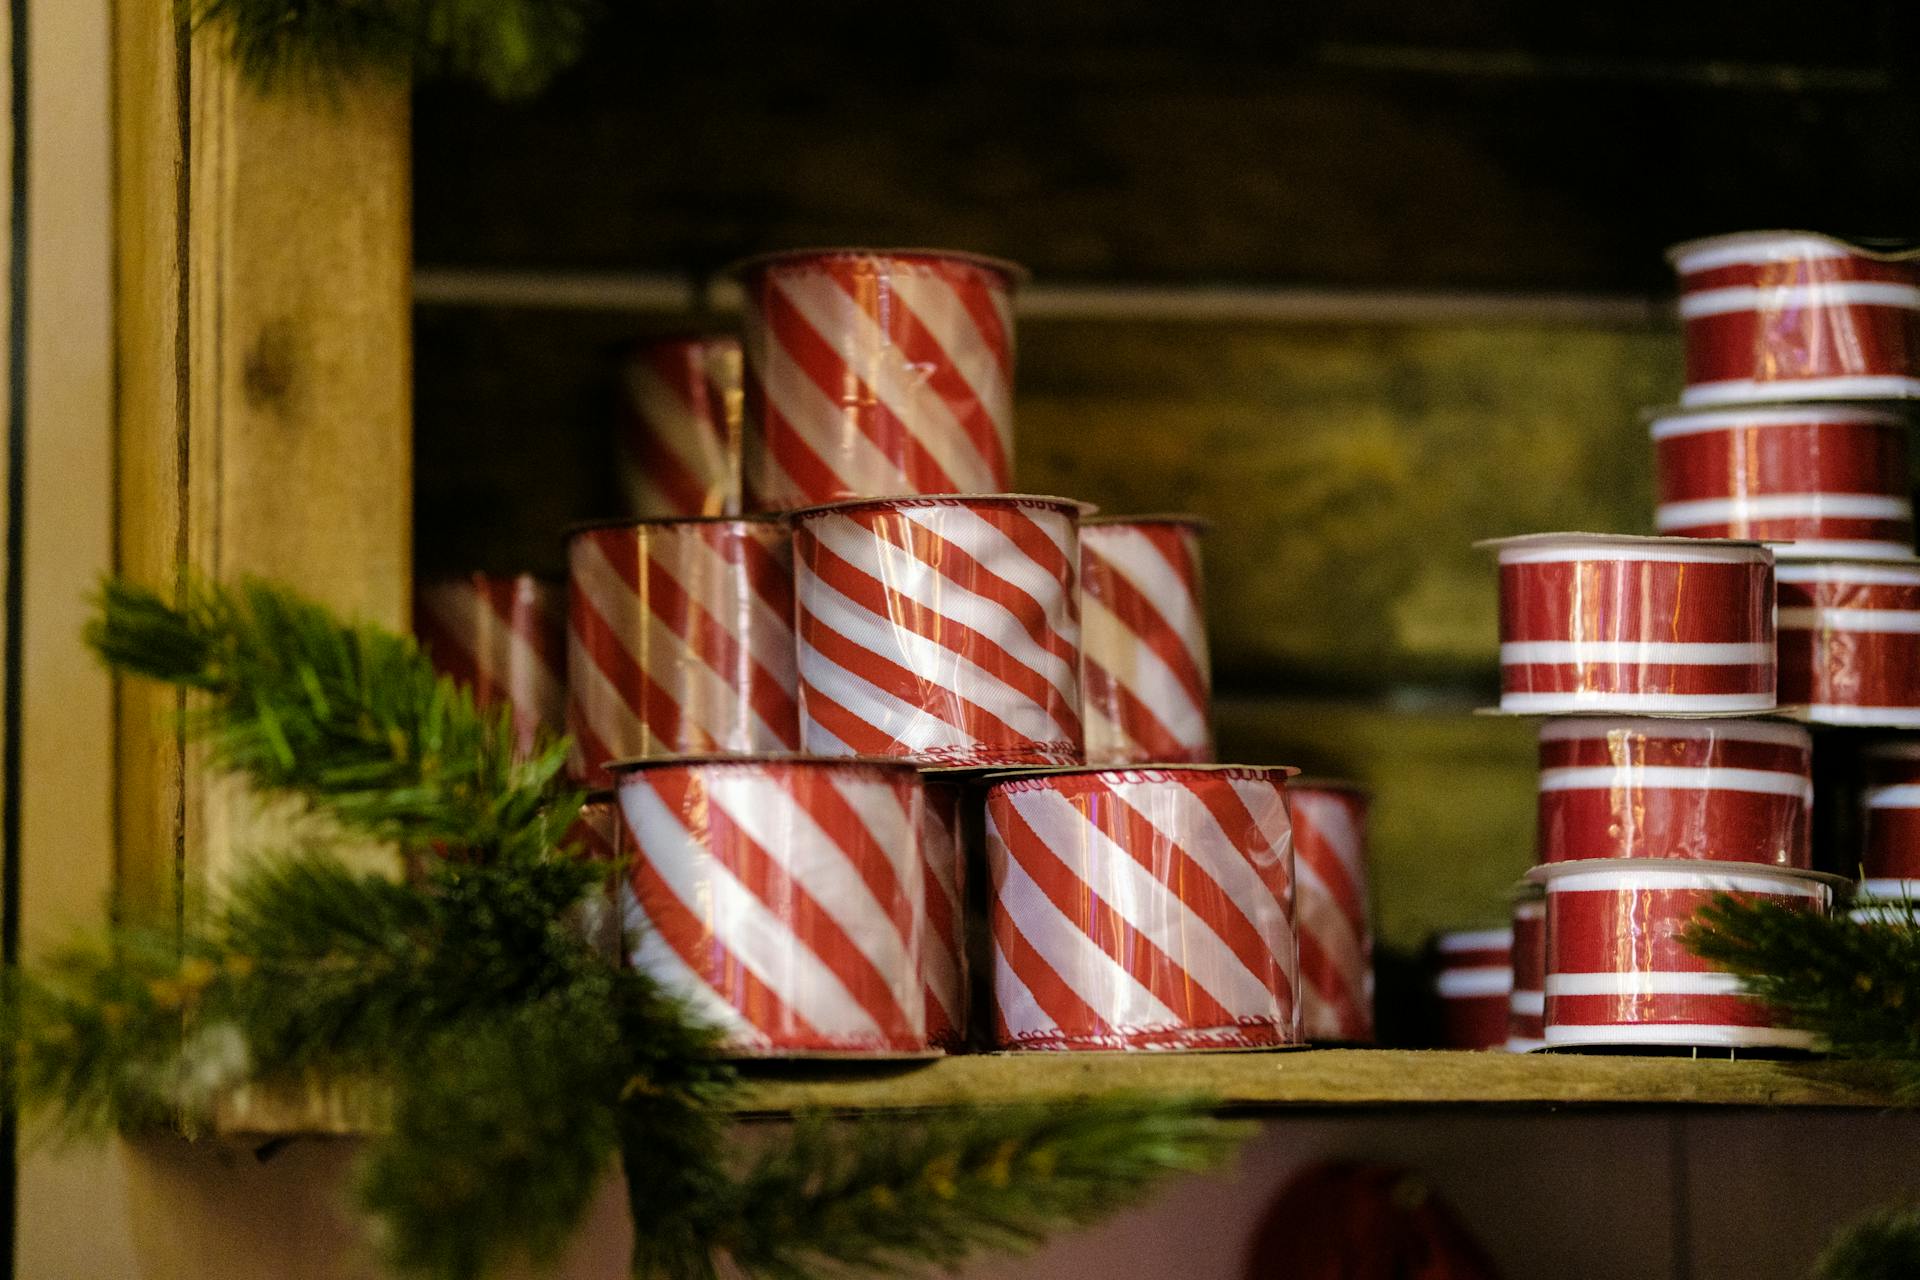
x,y
263,420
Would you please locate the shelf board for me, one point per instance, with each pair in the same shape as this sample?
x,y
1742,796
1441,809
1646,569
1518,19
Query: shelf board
x,y
1324,1079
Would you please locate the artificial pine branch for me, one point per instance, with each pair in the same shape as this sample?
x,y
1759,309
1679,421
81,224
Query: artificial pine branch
x,y
887,1193
351,719
1882,1246
1855,985
510,47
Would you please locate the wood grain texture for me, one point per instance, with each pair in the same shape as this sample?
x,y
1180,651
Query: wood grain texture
x,y
1313,1078
264,412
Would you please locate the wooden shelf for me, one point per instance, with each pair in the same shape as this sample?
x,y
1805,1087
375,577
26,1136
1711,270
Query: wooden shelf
x,y
1322,1079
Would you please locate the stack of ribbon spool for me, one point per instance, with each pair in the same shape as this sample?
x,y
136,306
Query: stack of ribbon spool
x,y
1678,764
829,672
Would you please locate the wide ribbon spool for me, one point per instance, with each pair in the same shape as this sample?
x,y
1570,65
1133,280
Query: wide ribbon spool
x,y
1618,973
1143,909
1473,983
943,852
679,436
1330,893
1527,1006
1609,622
945,630
1850,642
872,373
1790,315
1145,674
1819,481
1714,790
679,641
503,636
782,898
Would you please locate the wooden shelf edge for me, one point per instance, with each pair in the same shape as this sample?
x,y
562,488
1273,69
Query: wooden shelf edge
x,y
1329,1079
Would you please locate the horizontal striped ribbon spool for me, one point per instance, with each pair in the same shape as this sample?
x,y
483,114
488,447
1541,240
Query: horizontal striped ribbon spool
x,y
943,851
1603,622
1890,813
678,444
1143,632
679,641
1336,941
1850,642
1797,316
504,637
1527,1006
783,899
942,630
1142,909
1473,985
871,373
1647,787
1618,973
1819,481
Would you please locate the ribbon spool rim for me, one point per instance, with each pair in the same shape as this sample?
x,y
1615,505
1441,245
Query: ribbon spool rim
x,y
1038,778
1677,254
574,530
1773,413
1683,868
1526,541
1065,506
1012,272
759,760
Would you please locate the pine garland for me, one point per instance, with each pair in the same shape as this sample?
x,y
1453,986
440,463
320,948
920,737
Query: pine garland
x,y
520,1062
511,47
1882,1246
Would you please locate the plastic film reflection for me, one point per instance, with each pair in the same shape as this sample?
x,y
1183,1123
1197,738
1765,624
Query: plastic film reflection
x,y
784,900
1143,909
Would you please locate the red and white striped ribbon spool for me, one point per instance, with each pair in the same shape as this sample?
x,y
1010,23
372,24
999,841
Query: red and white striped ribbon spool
x,y
782,898
1890,827
1143,637
504,637
1850,642
872,373
1820,481
1618,974
943,850
679,641
1714,790
1527,1006
943,630
679,437
1791,315
1473,979
1143,909
599,835
1330,888
1609,622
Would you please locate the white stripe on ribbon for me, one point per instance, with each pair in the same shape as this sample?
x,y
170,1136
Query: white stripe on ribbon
x,y
599,703
1868,621
1528,1004
1643,984
1600,729
1781,506
1151,908
1840,549
816,419
1783,885
1137,558
1587,699
873,357
1017,1007
760,940
1903,796
1876,575
1473,940
1740,250
1864,717
1660,777
1188,822
1469,984
1682,1035
1854,387
654,957
1100,981
941,312
1676,653
1105,739
914,728
1109,645
1889,890
1687,424
1797,297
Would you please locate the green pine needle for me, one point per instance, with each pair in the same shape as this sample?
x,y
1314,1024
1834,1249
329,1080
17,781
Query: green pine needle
x,y
1882,1246
513,48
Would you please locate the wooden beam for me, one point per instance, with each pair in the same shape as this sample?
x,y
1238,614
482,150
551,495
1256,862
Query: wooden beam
x,y
263,420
